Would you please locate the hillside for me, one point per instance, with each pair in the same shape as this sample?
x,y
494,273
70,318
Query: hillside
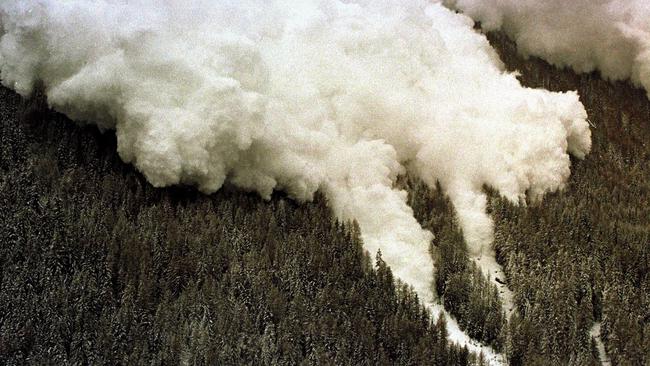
x,y
583,255
97,266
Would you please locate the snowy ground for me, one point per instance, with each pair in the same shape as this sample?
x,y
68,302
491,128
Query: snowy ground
x,y
456,335
494,271
595,333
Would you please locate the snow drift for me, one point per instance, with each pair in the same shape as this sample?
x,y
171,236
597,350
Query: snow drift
x,y
336,96
612,36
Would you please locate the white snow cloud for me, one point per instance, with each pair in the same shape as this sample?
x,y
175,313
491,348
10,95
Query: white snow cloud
x,y
337,96
611,36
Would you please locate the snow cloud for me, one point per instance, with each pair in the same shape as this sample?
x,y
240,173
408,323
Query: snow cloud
x,y
337,96
611,36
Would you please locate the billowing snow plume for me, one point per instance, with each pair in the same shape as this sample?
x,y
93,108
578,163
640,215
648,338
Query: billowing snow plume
x,y
612,36
337,96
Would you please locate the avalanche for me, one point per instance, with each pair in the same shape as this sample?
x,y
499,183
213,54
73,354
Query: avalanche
x,y
334,96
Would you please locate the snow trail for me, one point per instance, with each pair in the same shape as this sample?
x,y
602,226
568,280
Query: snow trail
x,y
456,335
595,333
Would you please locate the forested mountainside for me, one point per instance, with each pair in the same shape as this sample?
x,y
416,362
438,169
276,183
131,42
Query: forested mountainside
x,y
580,256
97,266
583,255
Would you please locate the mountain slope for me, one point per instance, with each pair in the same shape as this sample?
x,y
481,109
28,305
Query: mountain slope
x,y
97,266
583,255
